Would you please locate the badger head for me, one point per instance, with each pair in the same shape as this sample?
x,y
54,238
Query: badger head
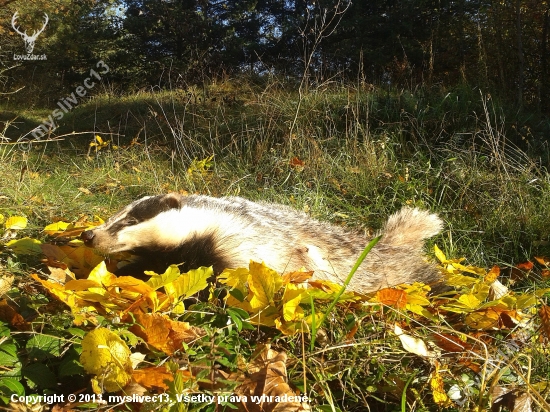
x,y
148,224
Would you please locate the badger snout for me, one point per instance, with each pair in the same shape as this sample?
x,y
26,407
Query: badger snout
x,y
87,236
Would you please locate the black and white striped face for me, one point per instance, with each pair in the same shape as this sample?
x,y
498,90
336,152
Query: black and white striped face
x,y
151,223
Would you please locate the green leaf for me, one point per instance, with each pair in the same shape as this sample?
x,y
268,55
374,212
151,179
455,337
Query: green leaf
x,y
44,346
237,294
39,375
9,387
25,246
8,354
76,332
70,367
236,318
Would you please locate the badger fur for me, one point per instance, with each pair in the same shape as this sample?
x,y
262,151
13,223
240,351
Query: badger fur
x,y
229,232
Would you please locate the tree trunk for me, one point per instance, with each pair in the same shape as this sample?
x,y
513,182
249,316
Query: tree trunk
x,y
521,59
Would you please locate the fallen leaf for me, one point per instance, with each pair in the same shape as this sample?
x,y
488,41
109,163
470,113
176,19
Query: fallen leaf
x,y
525,266
163,333
105,355
411,344
544,313
392,297
438,390
16,223
153,378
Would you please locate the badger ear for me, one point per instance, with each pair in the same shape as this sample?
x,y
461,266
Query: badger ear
x,y
172,201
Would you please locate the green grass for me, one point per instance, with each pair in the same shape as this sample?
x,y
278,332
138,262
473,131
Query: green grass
x,y
366,153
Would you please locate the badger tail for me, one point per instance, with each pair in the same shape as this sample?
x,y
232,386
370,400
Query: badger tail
x,y
410,227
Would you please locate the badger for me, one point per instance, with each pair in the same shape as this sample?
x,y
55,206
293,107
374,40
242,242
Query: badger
x,y
228,232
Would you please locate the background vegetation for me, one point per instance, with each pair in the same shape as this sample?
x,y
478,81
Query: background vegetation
x,y
348,111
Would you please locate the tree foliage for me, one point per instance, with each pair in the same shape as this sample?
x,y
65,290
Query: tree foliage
x,y
501,47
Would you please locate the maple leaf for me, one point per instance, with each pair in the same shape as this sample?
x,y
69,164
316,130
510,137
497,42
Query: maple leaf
x,y
107,357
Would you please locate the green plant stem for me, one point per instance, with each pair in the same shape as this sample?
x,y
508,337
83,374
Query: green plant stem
x,y
362,257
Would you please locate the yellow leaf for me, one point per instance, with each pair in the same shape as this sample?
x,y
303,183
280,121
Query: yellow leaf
x,y
438,391
265,316
200,166
458,280
25,246
525,301
417,297
84,190
1,218
236,278
469,269
107,357
326,290
263,283
16,223
440,255
187,284
290,328
483,320
101,275
80,259
157,281
469,301
291,302
56,227
81,284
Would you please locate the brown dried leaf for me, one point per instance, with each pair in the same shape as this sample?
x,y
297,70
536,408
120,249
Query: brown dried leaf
x,y
10,315
450,343
153,378
511,398
268,378
544,313
543,260
392,297
527,266
296,277
162,333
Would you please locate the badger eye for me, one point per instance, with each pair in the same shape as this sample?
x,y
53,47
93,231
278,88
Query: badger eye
x,y
130,221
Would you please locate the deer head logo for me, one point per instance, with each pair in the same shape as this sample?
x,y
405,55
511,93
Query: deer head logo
x,y
29,40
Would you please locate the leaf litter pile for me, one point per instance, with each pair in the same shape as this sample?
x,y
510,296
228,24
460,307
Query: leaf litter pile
x,y
258,340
